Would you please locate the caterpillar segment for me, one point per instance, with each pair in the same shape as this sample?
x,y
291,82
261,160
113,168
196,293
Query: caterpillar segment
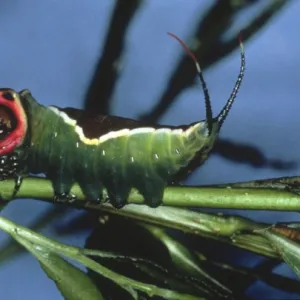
x,y
100,152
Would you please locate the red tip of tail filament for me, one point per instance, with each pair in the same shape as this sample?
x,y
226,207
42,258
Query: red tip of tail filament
x,y
185,47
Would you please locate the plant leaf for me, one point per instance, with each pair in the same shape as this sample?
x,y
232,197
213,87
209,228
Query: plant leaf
x,y
288,249
186,262
73,283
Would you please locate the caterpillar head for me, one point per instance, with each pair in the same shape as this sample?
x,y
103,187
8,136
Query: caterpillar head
x,y
209,129
13,131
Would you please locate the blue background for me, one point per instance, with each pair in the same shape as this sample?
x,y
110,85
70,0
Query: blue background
x,y
51,47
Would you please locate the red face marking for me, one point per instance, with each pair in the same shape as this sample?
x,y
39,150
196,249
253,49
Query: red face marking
x,y
13,120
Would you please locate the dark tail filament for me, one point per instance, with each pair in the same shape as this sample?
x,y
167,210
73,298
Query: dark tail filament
x,y
224,112
209,117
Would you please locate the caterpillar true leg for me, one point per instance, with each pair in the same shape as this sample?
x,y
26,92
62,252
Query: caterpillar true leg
x,y
18,183
64,197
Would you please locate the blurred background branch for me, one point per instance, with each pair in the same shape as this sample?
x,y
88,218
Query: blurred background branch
x,y
98,98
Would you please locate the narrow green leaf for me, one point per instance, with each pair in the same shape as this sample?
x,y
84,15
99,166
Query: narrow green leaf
x,y
73,283
11,249
185,261
288,249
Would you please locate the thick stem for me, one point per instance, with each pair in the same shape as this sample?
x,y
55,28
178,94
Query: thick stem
x,y
251,198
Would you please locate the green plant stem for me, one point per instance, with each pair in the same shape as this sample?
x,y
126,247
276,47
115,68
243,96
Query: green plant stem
x,y
227,229
19,232
10,249
181,196
221,228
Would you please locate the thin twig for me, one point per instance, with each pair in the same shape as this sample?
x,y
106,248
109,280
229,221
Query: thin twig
x,y
98,98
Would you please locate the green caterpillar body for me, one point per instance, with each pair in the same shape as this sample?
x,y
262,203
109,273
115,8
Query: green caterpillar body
x,y
98,151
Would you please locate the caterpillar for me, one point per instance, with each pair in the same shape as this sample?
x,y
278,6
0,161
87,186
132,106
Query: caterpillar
x,y
100,152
